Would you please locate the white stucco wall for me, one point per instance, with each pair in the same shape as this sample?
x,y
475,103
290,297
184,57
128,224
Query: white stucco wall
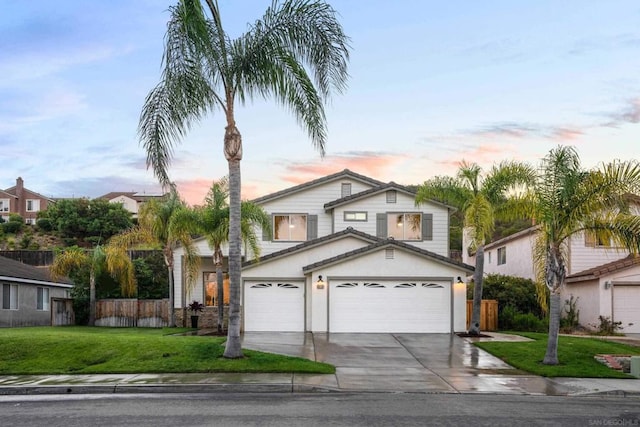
x,y
584,257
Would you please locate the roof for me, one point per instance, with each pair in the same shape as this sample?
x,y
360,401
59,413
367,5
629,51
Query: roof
x,y
515,236
384,243
139,197
12,190
602,270
349,231
346,173
16,271
376,190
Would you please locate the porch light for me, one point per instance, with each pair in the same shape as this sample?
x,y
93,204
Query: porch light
x,y
320,283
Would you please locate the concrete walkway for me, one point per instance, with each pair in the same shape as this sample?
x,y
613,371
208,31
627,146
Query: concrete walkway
x,y
422,363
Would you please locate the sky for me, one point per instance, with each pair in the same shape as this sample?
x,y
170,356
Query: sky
x,y
431,83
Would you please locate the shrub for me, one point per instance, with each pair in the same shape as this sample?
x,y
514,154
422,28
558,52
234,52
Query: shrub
x,y
511,319
517,292
12,227
607,326
14,217
44,224
571,315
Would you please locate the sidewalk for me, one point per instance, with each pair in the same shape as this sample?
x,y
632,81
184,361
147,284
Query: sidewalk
x,y
397,363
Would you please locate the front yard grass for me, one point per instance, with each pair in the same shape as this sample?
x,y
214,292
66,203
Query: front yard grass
x,y
574,353
86,350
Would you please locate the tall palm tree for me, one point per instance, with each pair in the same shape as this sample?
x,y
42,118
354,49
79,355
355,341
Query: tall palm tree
x,y
96,260
213,223
296,53
566,200
167,223
481,199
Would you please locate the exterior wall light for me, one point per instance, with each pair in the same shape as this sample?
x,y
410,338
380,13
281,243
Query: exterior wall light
x,y
320,283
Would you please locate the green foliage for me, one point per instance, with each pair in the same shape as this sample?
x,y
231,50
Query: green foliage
x,y
607,326
44,224
571,318
14,217
12,227
87,221
515,292
152,276
510,319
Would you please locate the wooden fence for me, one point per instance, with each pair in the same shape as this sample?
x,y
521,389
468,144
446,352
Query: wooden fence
x,y
62,312
488,314
45,258
128,313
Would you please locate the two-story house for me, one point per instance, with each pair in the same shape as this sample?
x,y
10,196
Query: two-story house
x,y
348,253
605,279
22,201
130,200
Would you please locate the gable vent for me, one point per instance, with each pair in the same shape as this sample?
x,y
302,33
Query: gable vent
x,y
389,253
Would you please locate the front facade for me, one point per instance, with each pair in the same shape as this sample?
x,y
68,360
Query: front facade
x,y
347,254
130,200
22,201
27,293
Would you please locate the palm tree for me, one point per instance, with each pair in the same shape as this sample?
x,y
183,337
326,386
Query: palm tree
x,y
97,261
167,223
566,200
206,70
213,223
481,200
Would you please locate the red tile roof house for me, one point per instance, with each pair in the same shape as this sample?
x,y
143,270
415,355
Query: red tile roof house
x,y
348,254
22,201
27,293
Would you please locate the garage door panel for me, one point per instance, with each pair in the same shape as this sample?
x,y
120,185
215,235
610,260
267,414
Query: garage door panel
x,y
273,306
626,300
387,306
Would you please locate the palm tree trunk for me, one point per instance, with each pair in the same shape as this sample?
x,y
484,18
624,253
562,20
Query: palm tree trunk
x,y
233,153
220,281
474,328
172,298
551,356
92,298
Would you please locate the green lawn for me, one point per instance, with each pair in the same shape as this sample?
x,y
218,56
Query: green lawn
x,y
86,350
575,355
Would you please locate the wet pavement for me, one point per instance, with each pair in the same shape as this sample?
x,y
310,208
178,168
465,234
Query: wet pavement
x,y
418,363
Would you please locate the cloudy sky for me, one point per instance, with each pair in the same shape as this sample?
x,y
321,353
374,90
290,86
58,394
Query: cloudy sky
x,y
432,83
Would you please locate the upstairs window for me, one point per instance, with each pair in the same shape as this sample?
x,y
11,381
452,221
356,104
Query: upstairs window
x,y
404,226
355,216
290,227
4,205
33,205
502,255
592,240
391,196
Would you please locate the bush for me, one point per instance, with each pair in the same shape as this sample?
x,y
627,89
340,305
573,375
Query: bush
x,y
607,326
44,224
12,227
511,319
512,291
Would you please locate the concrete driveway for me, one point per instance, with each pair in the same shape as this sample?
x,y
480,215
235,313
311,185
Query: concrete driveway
x,y
442,363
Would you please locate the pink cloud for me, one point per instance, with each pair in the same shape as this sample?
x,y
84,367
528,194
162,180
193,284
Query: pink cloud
x,y
566,134
194,191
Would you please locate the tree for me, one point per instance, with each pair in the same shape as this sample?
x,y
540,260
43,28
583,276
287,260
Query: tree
x,y
481,200
168,223
566,200
97,261
204,70
213,224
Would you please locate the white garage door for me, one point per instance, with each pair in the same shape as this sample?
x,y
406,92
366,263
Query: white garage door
x,y
626,300
274,306
389,306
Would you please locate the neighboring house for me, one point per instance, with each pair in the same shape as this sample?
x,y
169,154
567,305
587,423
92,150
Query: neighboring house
x,y
22,201
348,254
27,293
604,278
131,200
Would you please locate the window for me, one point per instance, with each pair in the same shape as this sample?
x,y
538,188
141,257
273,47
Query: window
x,y
593,241
291,227
4,205
345,189
489,256
9,297
33,205
31,221
391,196
211,289
502,255
355,216
42,303
404,226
